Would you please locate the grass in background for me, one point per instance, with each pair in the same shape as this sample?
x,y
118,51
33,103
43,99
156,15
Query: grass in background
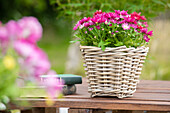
x,y
157,65
56,48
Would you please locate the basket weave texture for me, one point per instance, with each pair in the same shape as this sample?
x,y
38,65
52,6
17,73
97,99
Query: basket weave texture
x,y
113,72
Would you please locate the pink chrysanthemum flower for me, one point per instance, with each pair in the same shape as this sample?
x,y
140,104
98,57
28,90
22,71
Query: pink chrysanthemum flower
x,y
125,26
150,33
144,30
91,29
98,27
146,38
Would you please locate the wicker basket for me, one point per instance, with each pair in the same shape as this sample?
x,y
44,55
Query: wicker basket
x,y
113,72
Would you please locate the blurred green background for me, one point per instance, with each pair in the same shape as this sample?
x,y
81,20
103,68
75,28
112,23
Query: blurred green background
x,y
58,17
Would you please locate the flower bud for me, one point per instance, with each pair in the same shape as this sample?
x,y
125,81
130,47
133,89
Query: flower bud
x,y
2,106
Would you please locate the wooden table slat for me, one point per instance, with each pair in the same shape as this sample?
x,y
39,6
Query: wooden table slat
x,y
150,95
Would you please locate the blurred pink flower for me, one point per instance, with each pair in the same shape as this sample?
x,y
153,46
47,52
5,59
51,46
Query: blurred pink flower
x,y
4,40
38,61
24,48
35,60
23,35
31,29
51,72
53,86
3,33
14,30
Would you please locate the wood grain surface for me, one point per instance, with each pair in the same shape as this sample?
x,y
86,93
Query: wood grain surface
x,y
150,96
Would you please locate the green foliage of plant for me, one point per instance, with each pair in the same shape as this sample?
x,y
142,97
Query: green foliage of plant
x,y
105,38
8,73
77,9
16,9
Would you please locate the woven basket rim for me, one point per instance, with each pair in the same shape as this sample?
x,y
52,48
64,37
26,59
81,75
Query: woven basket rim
x,y
123,47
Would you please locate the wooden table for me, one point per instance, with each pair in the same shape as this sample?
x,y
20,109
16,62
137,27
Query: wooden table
x,y
150,96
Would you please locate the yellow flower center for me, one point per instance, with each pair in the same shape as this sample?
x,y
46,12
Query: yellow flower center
x,y
9,62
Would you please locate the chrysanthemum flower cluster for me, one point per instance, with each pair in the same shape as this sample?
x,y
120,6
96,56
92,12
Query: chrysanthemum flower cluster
x,y
113,29
22,37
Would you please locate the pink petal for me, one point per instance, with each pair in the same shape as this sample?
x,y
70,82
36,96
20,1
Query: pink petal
x,y
31,29
150,33
14,30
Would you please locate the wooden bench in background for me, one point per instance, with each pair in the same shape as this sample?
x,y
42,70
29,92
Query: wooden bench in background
x,y
150,97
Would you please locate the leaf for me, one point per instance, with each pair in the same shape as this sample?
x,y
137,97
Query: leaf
x,y
94,32
119,44
103,47
158,2
77,35
168,5
97,31
95,43
107,43
74,41
102,5
101,44
90,36
69,12
75,4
